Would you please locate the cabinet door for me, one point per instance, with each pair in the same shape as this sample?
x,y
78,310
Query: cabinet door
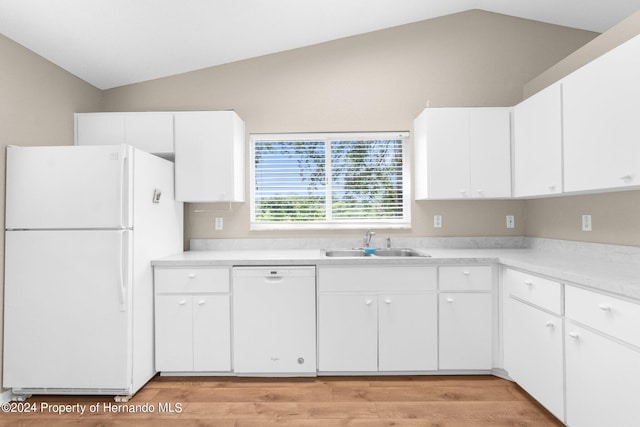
x,y
490,152
603,378
348,333
211,333
209,156
100,129
465,331
538,144
408,332
447,139
601,128
150,132
174,333
533,353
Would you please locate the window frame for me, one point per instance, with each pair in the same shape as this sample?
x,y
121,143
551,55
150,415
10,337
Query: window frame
x,y
400,223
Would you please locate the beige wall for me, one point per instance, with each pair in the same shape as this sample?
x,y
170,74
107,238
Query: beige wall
x,y
37,102
376,81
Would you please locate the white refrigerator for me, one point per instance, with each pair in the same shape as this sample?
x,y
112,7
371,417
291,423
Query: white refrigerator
x,y
82,224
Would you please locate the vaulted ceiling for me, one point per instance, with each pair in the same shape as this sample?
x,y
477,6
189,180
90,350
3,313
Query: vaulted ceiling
x,y
112,43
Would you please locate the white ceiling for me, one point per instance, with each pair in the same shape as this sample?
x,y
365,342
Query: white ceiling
x,y
112,43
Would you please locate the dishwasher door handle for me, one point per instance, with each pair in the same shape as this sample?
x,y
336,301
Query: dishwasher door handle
x,y
273,279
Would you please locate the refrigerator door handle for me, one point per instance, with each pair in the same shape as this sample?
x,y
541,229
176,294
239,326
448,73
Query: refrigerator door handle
x,y
124,196
124,238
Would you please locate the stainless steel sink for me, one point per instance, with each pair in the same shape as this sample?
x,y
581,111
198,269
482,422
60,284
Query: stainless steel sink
x,y
350,253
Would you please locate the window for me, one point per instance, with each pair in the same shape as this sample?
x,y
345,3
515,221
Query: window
x,y
334,180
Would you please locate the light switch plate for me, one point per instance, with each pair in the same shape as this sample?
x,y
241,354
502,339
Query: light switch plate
x,y
219,224
437,221
586,222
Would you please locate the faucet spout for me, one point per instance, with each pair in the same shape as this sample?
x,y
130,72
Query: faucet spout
x,y
367,238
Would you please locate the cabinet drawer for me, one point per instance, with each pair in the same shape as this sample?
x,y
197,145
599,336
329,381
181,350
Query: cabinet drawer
x,y
613,316
536,290
186,280
465,278
377,279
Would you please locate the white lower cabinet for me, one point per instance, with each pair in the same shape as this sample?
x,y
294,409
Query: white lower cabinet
x,y
602,359
466,331
374,319
465,317
192,320
533,353
533,338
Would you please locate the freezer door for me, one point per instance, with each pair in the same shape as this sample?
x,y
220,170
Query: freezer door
x,y
67,310
69,187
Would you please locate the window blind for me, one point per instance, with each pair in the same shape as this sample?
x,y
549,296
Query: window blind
x,y
329,179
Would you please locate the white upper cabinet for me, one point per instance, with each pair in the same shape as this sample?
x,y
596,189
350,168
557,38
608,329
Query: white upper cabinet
x,y
601,102
538,144
209,156
149,131
463,153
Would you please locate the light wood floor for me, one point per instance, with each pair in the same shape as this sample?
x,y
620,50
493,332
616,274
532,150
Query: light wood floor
x,y
435,401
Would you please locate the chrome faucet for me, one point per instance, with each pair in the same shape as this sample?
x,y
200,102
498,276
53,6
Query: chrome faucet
x,y
367,238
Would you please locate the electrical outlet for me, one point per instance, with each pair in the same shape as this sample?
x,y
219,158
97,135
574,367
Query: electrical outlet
x,y
437,221
219,224
586,222
511,221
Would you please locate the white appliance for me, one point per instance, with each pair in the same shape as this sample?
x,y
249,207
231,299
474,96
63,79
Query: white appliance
x,y
82,224
274,320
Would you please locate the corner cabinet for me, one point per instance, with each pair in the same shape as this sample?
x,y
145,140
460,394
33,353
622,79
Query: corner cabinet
x,y
377,319
209,156
463,153
601,101
192,320
537,144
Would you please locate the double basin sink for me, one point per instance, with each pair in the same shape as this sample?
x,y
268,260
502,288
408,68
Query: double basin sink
x,y
360,252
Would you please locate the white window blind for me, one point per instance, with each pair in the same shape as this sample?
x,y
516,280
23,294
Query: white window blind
x,y
329,180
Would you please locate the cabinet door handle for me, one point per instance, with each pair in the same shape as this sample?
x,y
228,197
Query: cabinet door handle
x,y
574,335
550,324
528,282
466,273
552,187
387,301
191,275
182,302
202,302
450,300
368,302
604,307
627,177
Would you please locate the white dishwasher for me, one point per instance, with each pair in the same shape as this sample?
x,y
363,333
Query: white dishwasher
x,y
274,320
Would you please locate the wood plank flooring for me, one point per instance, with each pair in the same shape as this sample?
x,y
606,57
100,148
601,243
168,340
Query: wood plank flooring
x,y
400,401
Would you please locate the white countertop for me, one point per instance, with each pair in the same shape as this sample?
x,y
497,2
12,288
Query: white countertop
x,y
609,274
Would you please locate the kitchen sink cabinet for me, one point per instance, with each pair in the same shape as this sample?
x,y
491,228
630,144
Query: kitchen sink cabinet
x,y
374,319
192,320
537,144
209,156
601,101
463,153
533,337
149,131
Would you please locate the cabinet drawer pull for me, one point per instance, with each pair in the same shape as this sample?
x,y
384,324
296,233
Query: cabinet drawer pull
x,y
182,302
627,177
528,283
191,275
368,302
450,300
387,301
550,324
202,302
604,307
574,335
466,273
